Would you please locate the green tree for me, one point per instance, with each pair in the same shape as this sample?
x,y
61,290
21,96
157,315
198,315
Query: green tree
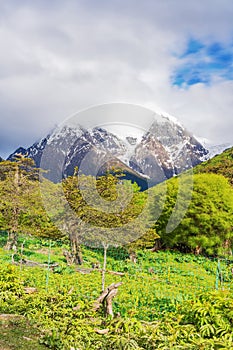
x,y
106,209
146,241
21,208
73,220
208,222
17,180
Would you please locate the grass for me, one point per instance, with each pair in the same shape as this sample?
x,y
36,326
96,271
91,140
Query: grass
x,y
16,333
167,275
151,287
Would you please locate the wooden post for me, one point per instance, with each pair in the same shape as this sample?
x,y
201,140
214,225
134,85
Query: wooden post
x,y
21,255
48,270
105,246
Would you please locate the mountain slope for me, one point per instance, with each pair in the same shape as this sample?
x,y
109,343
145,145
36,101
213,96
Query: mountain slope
x,y
165,150
220,164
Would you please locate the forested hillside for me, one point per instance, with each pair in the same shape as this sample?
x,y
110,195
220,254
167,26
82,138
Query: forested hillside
x,y
220,164
205,210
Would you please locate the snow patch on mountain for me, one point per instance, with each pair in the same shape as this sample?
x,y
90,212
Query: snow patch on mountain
x,y
213,148
218,149
130,136
64,131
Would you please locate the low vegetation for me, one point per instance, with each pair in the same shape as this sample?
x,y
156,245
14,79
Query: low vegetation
x,y
173,288
167,300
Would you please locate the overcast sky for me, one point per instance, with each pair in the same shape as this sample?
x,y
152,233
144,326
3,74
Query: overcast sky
x,y
58,57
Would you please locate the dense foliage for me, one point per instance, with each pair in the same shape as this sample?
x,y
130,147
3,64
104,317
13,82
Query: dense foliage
x,y
21,207
208,221
221,164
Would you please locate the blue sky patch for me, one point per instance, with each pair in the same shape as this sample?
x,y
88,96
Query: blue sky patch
x,y
193,47
200,63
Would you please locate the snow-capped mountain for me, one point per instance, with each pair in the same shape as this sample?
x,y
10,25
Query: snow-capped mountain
x,y
163,151
166,150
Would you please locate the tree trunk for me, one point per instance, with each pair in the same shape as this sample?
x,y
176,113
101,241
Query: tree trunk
x,y
198,250
227,246
78,257
76,251
157,245
106,298
133,257
11,243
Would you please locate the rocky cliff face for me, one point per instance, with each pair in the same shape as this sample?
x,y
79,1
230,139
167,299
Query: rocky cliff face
x,y
165,150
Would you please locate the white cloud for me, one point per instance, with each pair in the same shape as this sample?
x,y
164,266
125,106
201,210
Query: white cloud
x,y
59,57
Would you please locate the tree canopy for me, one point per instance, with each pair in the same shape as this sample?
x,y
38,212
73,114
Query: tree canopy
x,y
208,222
21,208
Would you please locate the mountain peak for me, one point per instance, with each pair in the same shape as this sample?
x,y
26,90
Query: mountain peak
x,y
20,150
163,151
